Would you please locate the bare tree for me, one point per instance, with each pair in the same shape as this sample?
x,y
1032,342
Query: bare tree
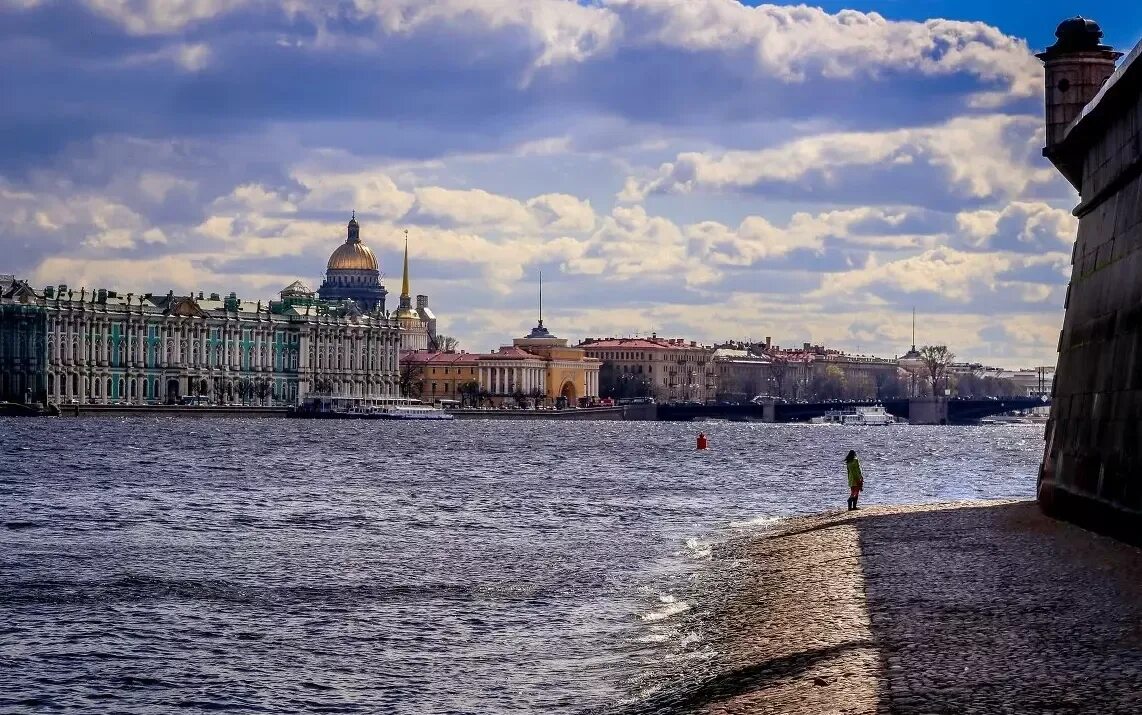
x,y
537,397
936,359
411,376
447,343
469,393
888,384
262,388
245,389
779,371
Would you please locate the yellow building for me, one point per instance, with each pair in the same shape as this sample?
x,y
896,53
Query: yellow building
x,y
442,376
537,369
569,372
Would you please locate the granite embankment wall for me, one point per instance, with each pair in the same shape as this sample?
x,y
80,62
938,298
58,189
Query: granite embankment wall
x,y
1092,466
169,411
626,412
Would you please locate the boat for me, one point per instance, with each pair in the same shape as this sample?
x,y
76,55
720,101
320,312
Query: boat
x,y
411,411
864,415
364,408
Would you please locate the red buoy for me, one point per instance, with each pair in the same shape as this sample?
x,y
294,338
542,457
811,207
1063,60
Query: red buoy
x,y
702,442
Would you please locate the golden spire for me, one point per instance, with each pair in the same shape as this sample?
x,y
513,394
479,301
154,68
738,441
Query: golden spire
x,y
404,309
404,293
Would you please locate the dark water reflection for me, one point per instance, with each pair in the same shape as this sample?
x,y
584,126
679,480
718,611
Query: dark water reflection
x,y
151,565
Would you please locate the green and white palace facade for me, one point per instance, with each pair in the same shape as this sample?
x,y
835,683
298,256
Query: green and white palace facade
x,y
60,345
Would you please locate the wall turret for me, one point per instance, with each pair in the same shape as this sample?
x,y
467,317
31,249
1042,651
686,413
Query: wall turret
x,y
1075,68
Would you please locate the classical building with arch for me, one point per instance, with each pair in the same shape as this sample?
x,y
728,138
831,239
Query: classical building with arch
x,y
537,368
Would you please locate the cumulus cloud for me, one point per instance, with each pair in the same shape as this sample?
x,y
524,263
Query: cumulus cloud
x,y
499,65
1031,227
148,151
988,157
794,42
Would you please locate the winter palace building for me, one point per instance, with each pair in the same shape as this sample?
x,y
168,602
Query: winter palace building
x,y
61,345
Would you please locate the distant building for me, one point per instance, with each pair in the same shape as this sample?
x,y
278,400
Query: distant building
x,y
675,370
100,346
743,375
570,372
442,375
538,368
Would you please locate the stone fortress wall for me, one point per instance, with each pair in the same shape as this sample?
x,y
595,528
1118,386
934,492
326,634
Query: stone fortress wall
x,y
1092,464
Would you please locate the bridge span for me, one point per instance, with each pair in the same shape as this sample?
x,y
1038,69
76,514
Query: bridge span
x,y
916,411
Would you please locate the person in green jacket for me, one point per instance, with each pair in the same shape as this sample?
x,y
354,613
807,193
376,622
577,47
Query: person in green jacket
x,y
856,479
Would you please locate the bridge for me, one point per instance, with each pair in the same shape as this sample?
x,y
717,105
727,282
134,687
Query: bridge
x,y
916,410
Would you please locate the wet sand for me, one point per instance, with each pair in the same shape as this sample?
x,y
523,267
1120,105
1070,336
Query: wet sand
x,y
965,608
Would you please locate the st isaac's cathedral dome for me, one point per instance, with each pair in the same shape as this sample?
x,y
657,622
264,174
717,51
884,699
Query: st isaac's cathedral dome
x,y
352,273
352,255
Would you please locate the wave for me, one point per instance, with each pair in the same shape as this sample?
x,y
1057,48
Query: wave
x,y
145,588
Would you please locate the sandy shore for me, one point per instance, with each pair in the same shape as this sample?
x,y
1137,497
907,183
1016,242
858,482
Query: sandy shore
x,y
964,608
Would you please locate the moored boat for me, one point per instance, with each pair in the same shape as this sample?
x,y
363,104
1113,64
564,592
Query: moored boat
x,y
864,415
360,408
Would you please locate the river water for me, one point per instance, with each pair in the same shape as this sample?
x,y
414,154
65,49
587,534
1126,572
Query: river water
x,y
153,565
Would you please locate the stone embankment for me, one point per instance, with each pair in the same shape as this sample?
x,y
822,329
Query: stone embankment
x,y
968,608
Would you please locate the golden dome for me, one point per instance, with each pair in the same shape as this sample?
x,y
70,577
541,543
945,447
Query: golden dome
x,y
353,256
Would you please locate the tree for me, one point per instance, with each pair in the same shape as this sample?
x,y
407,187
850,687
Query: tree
x,y
447,343
411,376
828,385
779,372
888,385
245,389
322,386
219,389
616,384
936,359
469,393
969,385
263,387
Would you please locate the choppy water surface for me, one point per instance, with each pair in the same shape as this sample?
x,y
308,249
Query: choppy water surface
x,y
155,565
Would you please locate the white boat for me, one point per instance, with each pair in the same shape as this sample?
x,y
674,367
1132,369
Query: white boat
x,y
410,411
362,408
873,415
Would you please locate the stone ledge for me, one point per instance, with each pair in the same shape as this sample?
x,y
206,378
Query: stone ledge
x,y
977,607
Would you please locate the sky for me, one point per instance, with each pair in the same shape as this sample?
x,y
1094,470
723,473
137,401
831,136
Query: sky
x,y
704,169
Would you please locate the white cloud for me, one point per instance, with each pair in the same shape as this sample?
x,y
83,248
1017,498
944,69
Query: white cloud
x,y
471,207
563,212
1019,226
981,157
793,42
147,17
